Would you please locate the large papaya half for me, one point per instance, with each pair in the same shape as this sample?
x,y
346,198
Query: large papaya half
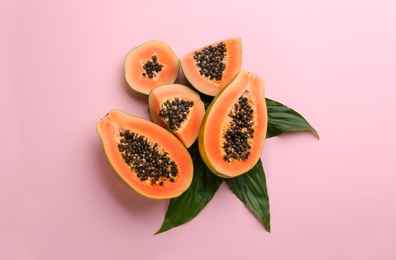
x,y
146,156
233,132
210,68
150,65
179,109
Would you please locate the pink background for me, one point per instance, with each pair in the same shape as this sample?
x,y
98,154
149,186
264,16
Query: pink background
x,y
61,70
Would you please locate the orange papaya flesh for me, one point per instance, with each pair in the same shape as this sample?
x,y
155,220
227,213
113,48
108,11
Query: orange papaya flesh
x,y
210,68
233,132
147,157
179,109
150,65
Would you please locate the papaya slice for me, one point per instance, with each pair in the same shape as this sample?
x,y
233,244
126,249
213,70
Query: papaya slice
x,y
209,69
179,109
233,132
146,156
150,65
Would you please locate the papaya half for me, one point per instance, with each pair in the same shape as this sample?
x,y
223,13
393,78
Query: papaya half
x,y
146,156
209,69
150,65
179,109
234,129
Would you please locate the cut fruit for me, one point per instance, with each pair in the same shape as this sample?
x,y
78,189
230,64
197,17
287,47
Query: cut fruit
x,y
150,65
233,132
179,109
146,156
211,68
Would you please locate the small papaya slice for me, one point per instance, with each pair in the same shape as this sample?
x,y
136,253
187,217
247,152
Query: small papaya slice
x,y
146,156
179,109
233,132
209,69
150,65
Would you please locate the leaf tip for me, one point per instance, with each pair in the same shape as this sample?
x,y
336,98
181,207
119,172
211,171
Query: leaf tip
x,y
316,134
161,230
268,228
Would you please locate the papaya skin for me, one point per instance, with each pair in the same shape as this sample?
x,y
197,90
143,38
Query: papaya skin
x,y
211,138
108,129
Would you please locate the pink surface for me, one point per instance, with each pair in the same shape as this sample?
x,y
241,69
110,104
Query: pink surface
x,y
61,70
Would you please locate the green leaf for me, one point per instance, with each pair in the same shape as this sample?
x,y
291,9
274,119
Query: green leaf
x,y
251,189
206,99
187,206
284,119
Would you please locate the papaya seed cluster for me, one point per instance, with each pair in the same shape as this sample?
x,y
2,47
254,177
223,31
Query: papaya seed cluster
x,y
175,112
211,61
146,158
240,132
151,67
